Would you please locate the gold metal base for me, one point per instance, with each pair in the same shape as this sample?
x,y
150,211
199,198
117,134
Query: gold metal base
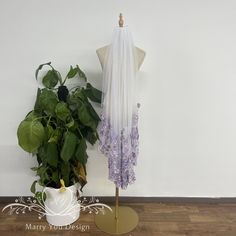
x,y
126,221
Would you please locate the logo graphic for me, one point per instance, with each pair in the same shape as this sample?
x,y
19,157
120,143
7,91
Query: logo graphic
x,y
66,204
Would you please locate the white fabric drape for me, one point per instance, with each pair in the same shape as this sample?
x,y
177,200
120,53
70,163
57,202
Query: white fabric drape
x,y
119,75
118,129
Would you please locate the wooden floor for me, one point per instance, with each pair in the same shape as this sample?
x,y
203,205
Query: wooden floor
x,y
169,219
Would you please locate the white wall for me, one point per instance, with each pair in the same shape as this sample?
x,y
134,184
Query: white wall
x,y
187,87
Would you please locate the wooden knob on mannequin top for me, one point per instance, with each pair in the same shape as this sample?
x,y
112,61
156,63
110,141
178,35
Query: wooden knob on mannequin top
x,y
121,20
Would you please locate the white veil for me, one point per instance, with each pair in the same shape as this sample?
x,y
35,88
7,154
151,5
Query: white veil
x,y
118,129
119,75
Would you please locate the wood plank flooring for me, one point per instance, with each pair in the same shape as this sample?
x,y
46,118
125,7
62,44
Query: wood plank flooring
x,y
155,219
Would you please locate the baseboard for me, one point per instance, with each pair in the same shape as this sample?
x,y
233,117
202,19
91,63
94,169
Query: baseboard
x,y
170,199
10,199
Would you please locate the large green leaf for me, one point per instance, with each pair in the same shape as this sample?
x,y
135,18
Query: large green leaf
x,y
55,136
71,124
81,154
52,154
50,80
42,173
62,111
92,112
92,136
72,73
92,93
30,135
69,146
79,93
48,101
81,73
40,67
49,131
65,173
85,116
55,176
32,116
42,154
33,186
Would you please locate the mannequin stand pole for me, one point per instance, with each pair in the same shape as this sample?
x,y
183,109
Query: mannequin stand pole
x,y
121,220
117,203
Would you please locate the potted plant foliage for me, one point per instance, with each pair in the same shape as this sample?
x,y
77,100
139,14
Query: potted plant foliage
x,y
56,132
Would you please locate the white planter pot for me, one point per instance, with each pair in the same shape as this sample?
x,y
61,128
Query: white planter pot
x,y
62,208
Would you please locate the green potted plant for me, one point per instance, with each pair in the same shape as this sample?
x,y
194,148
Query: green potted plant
x,y
56,132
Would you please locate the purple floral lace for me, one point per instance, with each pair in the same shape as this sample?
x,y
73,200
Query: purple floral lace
x,y
121,150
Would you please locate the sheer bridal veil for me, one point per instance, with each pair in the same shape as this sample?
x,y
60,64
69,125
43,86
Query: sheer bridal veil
x,y
118,129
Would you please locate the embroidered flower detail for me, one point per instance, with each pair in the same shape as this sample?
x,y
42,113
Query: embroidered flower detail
x,y
121,152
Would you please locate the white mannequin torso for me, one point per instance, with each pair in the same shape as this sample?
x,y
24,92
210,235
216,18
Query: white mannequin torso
x,y
101,52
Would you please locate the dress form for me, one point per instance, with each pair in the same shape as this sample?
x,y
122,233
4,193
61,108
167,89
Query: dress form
x,y
101,52
122,219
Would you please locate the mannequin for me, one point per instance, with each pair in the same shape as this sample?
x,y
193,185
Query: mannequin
x,y
122,219
101,52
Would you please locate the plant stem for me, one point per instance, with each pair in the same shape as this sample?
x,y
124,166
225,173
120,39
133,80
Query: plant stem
x,y
80,133
64,81
49,120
